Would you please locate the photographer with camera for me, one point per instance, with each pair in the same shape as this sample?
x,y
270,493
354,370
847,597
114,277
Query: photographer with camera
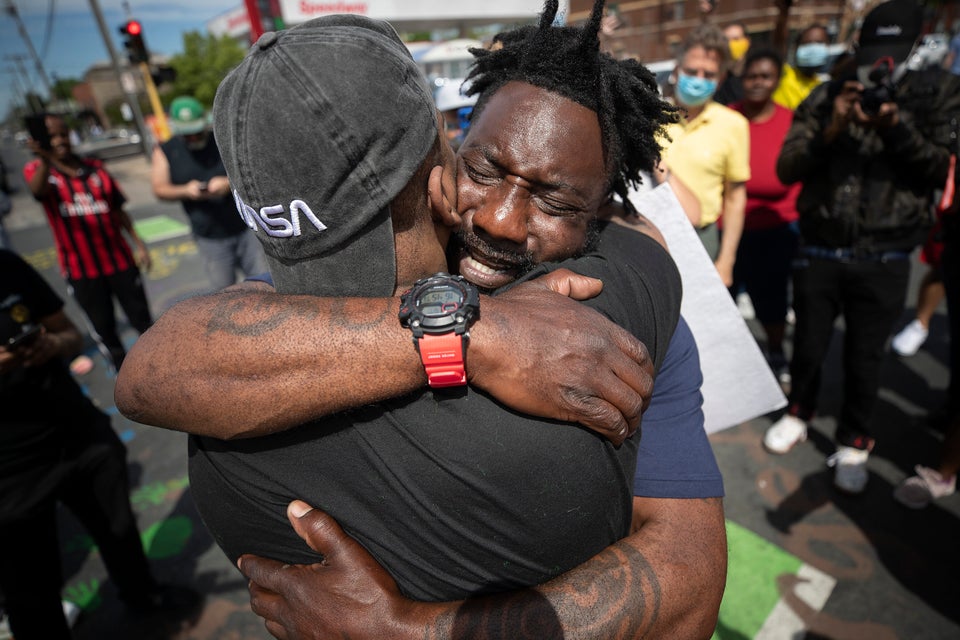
x,y
869,148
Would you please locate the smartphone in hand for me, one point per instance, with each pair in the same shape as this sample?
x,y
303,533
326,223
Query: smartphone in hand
x,y
25,338
36,125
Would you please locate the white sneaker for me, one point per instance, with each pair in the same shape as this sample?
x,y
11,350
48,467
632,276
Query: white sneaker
x,y
4,627
918,491
70,611
910,338
745,306
784,434
850,469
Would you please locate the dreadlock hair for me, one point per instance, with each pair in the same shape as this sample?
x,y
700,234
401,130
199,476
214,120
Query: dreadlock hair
x,y
568,61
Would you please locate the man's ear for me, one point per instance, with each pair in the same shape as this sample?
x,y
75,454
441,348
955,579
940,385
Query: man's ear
x,y
442,194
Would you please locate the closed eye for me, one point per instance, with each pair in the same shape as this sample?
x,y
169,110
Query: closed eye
x,y
482,175
554,208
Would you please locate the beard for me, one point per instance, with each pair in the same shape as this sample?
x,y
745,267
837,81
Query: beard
x,y
510,265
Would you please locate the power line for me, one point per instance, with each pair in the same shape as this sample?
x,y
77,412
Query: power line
x,y
11,9
49,30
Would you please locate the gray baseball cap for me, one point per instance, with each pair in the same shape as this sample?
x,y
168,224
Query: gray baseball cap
x,y
320,127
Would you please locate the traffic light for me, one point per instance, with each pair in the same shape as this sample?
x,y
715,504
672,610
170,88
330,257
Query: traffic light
x,y
133,42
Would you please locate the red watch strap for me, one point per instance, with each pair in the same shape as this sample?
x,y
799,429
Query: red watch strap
x,y
442,357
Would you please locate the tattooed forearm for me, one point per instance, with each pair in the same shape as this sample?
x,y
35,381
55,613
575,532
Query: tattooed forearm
x,y
253,315
247,315
346,313
614,596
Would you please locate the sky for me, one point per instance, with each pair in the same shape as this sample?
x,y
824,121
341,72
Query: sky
x,y
70,41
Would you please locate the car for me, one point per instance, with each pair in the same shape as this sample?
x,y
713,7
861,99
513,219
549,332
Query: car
x,y
112,143
930,51
662,70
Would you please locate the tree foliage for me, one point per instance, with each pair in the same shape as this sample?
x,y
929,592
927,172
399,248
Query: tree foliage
x,y
202,65
63,88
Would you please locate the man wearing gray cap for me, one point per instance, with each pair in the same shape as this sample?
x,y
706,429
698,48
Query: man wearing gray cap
x,y
187,168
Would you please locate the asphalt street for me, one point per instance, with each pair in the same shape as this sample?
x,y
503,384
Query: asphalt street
x,y
805,561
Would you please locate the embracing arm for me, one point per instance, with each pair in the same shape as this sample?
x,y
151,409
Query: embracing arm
x,y
664,580
261,362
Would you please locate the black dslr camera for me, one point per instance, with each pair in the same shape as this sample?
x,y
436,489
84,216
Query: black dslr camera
x,y
882,87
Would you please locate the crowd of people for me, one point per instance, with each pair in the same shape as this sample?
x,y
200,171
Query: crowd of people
x,y
843,171
809,188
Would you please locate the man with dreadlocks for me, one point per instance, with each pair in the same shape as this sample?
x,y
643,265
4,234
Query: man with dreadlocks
x,y
534,171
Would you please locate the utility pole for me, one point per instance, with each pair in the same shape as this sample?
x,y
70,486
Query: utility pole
x,y
11,9
131,94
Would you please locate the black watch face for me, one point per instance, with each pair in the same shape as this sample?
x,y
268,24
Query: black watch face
x,y
439,304
439,301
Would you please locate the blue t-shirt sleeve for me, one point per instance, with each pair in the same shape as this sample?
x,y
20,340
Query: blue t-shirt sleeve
x,y
675,459
261,277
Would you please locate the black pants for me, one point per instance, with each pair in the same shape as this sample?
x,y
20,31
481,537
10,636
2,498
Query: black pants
x,y
95,296
951,283
93,484
870,296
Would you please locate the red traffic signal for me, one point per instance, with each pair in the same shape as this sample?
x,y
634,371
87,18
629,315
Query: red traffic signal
x,y
133,42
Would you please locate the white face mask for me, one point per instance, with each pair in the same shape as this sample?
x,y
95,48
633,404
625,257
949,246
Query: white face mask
x,y
693,91
812,55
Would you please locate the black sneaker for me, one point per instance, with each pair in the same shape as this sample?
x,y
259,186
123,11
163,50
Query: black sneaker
x,y
165,598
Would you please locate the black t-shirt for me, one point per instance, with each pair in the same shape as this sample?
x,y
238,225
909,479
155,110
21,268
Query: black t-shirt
x,y
453,493
209,218
42,409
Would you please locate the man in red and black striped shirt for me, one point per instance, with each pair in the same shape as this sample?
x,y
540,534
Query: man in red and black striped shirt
x,y
84,207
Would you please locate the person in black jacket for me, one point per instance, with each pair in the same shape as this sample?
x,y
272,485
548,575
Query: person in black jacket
x,y
869,148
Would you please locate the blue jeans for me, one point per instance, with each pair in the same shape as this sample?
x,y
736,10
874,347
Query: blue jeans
x,y
223,256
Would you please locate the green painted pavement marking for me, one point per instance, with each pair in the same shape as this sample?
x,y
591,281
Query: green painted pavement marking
x,y
167,538
751,592
85,595
158,228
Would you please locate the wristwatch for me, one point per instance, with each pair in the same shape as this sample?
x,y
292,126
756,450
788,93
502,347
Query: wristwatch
x,y
439,310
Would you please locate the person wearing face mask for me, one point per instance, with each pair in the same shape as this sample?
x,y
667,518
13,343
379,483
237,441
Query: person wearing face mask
x,y
731,89
188,168
709,150
807,71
